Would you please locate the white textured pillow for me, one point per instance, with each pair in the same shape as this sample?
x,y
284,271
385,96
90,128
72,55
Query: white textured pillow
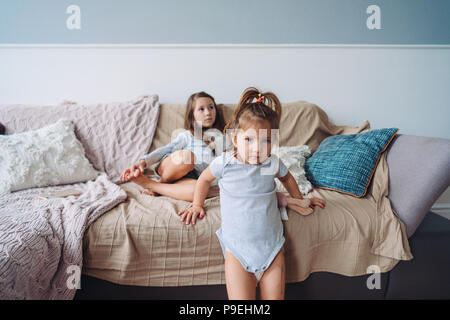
x,y
294,157
48,156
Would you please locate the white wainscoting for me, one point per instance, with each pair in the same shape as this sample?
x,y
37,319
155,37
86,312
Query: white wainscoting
x,y
389,85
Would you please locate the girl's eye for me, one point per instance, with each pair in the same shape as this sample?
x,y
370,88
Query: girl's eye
x,y
211,107
248,139
201,109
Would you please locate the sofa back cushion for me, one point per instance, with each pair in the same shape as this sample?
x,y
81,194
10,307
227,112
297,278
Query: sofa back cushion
x,y
114,135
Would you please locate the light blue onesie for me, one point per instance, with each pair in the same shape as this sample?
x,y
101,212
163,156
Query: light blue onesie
x,y
251,221
185,140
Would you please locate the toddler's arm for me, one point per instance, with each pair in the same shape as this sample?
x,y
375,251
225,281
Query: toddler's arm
x,y
200,194
291,185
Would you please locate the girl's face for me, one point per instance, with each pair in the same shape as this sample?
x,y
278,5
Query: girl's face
x,y
254,143
204,112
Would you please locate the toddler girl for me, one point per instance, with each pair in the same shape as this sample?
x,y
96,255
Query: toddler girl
x,y
185,158
251,234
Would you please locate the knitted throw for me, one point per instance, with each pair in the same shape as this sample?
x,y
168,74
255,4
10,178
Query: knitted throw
x,y
41,239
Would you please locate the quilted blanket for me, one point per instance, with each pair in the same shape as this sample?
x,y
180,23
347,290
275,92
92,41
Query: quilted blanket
x,y
41,239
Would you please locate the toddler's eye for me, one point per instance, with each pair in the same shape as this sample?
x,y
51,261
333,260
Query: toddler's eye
x,y
248,139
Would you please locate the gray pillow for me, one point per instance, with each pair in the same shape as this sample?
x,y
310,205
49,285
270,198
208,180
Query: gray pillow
x,y
114,135
419,172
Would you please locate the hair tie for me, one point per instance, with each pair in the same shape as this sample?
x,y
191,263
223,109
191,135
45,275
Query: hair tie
x,y
260,98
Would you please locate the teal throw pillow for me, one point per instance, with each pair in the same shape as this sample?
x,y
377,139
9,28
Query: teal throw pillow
x,y
346,163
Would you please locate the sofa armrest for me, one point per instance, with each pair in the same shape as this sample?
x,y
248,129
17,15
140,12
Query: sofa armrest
x,y
419,172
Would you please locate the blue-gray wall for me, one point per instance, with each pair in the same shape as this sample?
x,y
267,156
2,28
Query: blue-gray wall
x,y
225,21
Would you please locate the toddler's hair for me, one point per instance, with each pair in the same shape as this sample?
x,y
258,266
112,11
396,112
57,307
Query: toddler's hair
x,y
267,107
219,123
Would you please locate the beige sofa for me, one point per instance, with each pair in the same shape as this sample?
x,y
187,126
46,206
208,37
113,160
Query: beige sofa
x,y
140,249
142,242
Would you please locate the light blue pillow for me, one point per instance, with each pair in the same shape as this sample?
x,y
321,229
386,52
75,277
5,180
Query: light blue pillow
x,y
346,163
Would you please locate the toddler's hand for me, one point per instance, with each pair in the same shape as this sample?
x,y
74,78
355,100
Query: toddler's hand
x,y
192,213
317,202
301,206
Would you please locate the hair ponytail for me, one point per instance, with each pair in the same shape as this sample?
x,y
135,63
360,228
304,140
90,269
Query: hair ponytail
x,y
266,107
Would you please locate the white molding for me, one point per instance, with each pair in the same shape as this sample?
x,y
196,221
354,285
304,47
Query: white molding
x,y
218,45
442,209
442,206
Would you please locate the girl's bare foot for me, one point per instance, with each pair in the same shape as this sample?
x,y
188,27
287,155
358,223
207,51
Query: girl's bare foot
x,y
149,192
146,183
148,188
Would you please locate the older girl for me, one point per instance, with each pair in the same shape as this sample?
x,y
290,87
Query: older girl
x,y
182,161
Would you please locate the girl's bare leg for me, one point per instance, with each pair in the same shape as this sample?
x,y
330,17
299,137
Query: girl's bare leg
x,y
273,281
172,168
176,165
241,285
182,189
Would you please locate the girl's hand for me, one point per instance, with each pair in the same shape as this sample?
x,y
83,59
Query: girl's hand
x,y
317,202
134,171
192,213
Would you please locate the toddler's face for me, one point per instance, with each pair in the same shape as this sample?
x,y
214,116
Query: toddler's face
x,y
253,144
204,112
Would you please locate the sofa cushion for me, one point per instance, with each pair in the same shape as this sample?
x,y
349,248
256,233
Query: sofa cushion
x,y
48,156
114,135
346,163
419,172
